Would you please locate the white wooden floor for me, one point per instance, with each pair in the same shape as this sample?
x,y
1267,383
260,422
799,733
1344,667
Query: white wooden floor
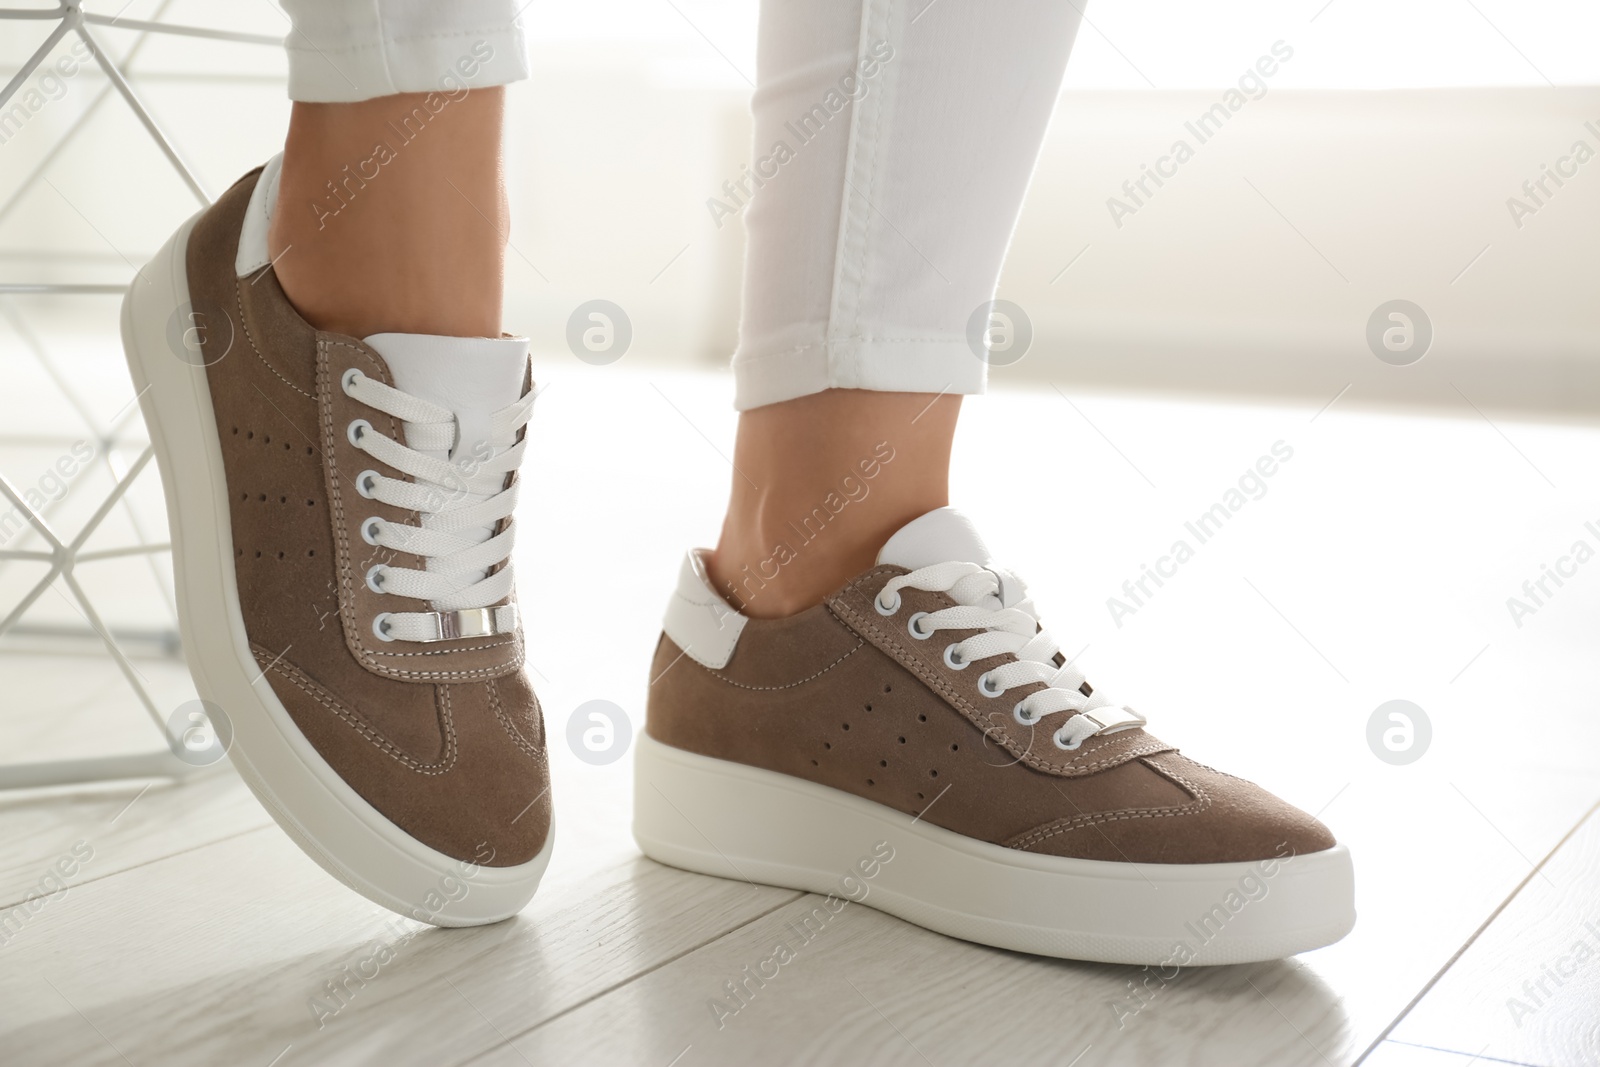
x,y
1375,567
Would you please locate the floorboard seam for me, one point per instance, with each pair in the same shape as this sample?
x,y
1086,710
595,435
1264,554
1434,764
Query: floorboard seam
x,y
4,905
1451,962
1458,1052
642,974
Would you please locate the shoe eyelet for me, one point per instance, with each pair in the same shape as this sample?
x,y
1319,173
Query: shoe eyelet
x,y
986,686
1023,715
911,626
953,660
886,609
380,626
1056,737
375,577
348,379
371,529
356,429
367,483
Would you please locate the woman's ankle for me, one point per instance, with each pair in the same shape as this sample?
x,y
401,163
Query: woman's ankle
x,y
821,482
391,214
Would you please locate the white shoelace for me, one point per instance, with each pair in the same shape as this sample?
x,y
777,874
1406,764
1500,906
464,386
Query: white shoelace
x,y
458,505
994,600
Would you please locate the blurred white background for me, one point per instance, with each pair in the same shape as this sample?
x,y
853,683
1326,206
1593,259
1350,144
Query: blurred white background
x,y
1377,166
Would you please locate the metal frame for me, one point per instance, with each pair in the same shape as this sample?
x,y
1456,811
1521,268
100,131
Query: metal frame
x,y
64,556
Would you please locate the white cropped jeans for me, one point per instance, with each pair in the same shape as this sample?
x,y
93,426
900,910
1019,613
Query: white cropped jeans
x,y
894,140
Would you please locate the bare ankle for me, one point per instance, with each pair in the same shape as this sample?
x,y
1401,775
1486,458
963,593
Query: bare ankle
x,y
821,483
391,215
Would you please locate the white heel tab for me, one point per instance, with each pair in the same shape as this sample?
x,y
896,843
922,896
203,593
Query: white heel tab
x,y
252,254
698,620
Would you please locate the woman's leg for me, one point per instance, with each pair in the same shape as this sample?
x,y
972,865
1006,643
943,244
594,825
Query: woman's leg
x,y
894,142
391,211
412,245
926,708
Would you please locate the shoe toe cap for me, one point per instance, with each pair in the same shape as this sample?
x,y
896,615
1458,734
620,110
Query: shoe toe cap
x,y
1224,820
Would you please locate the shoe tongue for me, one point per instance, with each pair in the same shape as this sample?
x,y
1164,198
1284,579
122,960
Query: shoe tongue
x,y
941,536
472,376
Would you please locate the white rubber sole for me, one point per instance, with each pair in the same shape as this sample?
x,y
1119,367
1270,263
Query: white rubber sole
x,y
338,829
734,821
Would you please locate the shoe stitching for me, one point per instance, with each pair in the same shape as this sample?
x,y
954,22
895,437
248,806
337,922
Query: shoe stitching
x,y
1213,770
327,700
1201,801
444,651
1036,837
775,688
509,726
238,295
969,711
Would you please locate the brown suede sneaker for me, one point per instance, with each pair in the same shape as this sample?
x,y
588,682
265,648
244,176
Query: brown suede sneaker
x,y
340,515
919,743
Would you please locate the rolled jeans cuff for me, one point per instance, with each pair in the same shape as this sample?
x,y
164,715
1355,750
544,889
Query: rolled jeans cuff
x,y
896,365
346,63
